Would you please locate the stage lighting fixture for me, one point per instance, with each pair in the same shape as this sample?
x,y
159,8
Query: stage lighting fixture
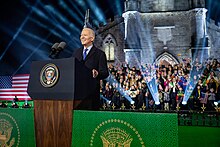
x,y
14,105
26,105
184,102
157,102
3,105
104,98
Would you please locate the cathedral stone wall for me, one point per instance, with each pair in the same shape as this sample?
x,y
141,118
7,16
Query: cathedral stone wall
x,y
162,5
170,32
161,32
142,34
116,29
214,39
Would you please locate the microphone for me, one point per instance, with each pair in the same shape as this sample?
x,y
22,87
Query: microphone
x,y
55,46
56,49
53,49
61,46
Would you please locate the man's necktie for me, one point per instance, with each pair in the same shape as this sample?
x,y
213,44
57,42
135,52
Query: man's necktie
x,y
85,53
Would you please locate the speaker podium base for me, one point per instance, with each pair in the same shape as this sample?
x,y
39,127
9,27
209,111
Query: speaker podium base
x,y
54,103
53,123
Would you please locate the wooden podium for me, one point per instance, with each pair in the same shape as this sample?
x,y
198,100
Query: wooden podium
x,y
54,105
53,123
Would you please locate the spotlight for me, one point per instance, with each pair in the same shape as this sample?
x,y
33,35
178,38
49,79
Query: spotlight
x,y
132,102
157,102
26,105
104,98
14,105
111,79
216,103
3,105
184,102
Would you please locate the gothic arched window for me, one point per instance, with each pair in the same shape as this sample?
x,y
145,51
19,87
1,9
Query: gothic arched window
x,y
109,47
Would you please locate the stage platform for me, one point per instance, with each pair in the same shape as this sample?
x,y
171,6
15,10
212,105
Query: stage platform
x,y
105,128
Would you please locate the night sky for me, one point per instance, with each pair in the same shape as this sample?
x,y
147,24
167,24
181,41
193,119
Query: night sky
x,y
29,28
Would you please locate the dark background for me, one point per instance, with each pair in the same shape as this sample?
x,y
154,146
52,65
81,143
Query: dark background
x,y
28,28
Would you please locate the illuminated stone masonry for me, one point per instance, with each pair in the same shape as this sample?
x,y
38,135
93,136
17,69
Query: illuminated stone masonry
x,y
151,28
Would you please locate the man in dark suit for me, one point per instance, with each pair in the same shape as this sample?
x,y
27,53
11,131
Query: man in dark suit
x,y
95,60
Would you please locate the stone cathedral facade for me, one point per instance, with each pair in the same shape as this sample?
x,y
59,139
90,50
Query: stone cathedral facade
x,y
161,32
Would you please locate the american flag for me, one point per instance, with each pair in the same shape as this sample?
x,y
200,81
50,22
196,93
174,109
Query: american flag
x,y
11,86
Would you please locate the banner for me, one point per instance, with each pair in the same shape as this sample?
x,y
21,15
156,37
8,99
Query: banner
x,y
17,127
101,128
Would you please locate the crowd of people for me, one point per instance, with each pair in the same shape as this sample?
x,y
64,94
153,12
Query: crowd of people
x,y
188,85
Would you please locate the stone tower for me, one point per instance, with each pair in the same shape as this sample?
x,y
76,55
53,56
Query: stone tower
x,y
155,31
